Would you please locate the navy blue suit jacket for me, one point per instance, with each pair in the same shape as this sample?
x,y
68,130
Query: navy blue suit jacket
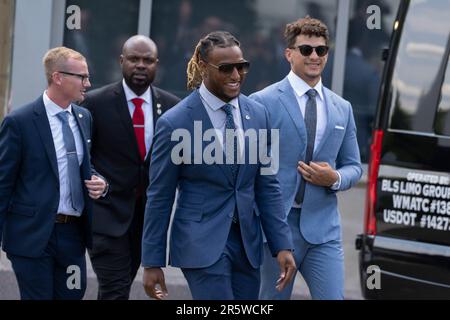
x,y
208,196
29,179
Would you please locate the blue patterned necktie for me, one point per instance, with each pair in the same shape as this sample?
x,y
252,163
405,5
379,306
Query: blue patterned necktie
x,y
229,124
73,167
310,123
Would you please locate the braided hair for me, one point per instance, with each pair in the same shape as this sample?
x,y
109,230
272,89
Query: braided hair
x,y
221,39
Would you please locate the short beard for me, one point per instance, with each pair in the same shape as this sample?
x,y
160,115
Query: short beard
x,y
138,89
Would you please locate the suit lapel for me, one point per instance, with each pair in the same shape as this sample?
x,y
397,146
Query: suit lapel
x,y
157,105
199,113
158,109
81,119
330,104
247,123
43,127
289,102
122,111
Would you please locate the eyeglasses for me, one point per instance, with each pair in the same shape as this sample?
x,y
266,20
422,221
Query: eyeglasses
x,y
306,50
83,77
228,68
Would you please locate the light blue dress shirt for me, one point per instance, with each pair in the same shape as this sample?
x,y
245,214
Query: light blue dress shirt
x,y
218,117
52,109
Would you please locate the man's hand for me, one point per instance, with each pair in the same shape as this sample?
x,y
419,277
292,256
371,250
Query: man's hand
x,y
318,173
152,277
287,269
96,186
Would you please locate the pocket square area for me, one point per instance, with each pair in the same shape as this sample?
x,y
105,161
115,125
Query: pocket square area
x,y
339,127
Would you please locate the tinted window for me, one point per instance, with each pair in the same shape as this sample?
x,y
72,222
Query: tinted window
x,y
363,64
105,25
419,67
443,115
177,26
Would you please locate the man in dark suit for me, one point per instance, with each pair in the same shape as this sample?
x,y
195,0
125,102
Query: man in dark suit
x,y
216,236
124,116
46,183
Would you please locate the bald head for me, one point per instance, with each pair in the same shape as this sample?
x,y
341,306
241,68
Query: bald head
x,y
139,59
139,41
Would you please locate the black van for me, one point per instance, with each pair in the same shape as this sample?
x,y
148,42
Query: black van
x,y
406,239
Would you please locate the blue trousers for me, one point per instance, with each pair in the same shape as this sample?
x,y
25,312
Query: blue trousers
x,y
60,273
321,265
230,278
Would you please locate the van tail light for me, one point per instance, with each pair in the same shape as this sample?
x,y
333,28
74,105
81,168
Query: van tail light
x,y
370,226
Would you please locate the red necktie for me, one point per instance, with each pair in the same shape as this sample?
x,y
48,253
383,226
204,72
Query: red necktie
x,y
139,125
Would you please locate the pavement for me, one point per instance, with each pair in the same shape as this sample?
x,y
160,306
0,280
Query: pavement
x,y
351,205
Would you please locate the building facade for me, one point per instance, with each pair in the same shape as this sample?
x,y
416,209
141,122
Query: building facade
x,y
359,29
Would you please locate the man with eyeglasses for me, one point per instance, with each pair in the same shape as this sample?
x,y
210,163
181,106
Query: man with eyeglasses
x,y
216,236
124,115
319,156
47,183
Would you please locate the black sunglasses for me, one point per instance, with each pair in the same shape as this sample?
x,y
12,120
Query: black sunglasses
x,y
241,67
83,77
306,50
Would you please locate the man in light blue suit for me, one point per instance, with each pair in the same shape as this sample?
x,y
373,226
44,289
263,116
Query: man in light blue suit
x,y
47,183
216,236
319,156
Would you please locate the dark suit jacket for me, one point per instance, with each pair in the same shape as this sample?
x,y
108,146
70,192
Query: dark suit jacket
x,y
115,152
29,179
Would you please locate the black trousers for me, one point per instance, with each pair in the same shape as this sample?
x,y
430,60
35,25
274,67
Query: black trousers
x,y
116,260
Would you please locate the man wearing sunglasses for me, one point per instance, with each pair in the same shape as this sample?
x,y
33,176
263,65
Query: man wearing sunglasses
x,y
216,236
319,156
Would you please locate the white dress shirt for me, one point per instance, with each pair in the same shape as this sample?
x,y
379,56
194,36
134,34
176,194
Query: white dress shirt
x,y
300,88
218,117
52,109
148,112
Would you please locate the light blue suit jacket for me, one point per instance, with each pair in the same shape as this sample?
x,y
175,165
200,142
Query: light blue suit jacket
x,y
208,196
320,217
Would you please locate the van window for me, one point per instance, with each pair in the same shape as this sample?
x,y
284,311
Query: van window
x,y
419,69
443,114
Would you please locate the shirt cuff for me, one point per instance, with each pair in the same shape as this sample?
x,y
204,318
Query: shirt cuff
x,y
106,189
335,186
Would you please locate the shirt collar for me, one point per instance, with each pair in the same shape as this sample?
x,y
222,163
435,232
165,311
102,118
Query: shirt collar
x,y
212,101
52,108
301,87
130,95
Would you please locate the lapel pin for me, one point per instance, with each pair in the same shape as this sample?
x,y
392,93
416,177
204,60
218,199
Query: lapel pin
x,y
247,117
80,115
158,110
89,141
